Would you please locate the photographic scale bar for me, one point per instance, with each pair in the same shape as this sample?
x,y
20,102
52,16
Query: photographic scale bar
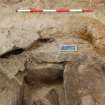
x,y
55,10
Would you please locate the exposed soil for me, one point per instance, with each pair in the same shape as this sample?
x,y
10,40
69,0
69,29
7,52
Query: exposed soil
x,y
33,70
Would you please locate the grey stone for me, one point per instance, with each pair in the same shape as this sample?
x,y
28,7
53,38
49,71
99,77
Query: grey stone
x,y
84,82
16,37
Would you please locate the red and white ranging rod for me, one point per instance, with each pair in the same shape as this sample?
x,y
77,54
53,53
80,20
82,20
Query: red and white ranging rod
x,y
55,10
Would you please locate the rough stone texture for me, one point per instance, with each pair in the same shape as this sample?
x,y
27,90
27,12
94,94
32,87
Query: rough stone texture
x,y
90,29
44,65
53,97
10,67
84,82
11,93
50,52
34,76
23,31
16,37
48,95
41,65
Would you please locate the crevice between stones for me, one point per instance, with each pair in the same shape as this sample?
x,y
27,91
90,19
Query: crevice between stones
x,y
36,44
12,52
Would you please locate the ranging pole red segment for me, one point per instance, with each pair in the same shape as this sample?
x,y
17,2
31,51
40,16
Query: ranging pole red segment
x,y
87,10
62,10
36,10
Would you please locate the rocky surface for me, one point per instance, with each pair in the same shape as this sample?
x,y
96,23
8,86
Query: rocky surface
x,y
15,37
11,92
34,71
84,82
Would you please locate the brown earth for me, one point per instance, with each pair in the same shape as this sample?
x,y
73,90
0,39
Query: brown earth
x,y
33,70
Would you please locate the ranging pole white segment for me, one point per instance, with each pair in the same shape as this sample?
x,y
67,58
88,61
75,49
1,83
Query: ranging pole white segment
x,y
76,10
23,10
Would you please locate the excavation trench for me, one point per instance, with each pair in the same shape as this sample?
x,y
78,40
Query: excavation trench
x,y
86,42
40,68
